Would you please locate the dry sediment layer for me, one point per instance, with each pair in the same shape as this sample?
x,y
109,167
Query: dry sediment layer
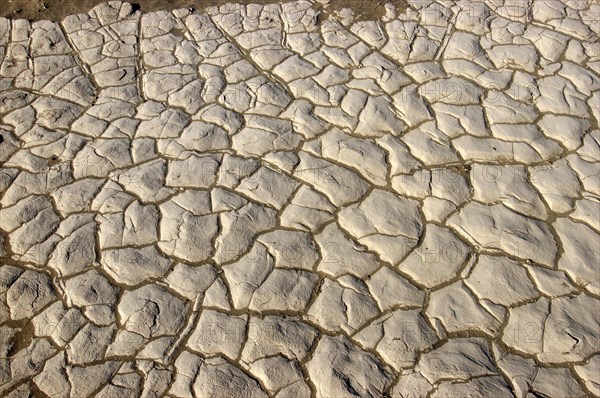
x,y
253,201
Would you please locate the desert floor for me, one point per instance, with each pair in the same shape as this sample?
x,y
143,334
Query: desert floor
x,y
300,199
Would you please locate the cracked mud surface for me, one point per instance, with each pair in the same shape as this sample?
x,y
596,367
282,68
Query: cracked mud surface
x,y
284,201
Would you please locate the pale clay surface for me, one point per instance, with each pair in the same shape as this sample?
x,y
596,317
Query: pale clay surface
x,y
261,201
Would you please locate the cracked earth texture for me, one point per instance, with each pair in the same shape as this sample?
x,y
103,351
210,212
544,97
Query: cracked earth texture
x,y
277,201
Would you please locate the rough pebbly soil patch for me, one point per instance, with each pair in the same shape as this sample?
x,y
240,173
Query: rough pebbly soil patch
x,y
56,10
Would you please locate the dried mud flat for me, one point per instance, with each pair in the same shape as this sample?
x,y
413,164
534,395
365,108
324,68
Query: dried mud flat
x,y
292,200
